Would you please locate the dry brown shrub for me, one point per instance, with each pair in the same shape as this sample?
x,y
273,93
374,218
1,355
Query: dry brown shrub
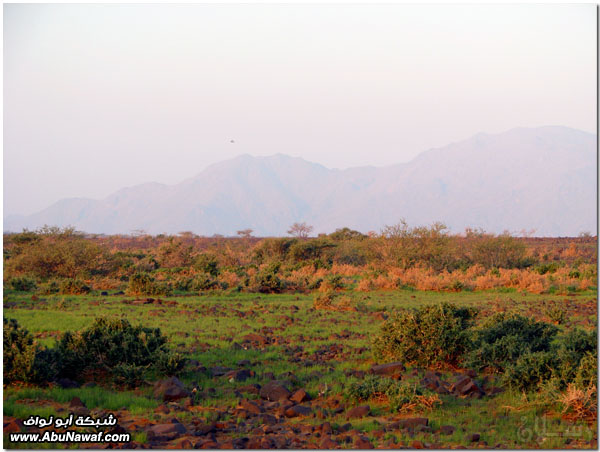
x,y
579,403
230,278
365,285
346,270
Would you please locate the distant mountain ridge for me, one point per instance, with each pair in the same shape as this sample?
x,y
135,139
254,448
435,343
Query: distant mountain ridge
x,y
526,178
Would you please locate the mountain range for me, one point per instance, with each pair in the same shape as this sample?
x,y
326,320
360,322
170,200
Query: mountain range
x,y
526,178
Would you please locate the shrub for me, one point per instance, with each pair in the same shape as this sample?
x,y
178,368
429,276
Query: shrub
x,y
573,352
49,287
557,315
23,359
74,287
170,363
579,403
143,284
504,338
128,375
22,283
323,300
433,335
400,396
587,372
107,344
204,282
530,370
267,281
207,263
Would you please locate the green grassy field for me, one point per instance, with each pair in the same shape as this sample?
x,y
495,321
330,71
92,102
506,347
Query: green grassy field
x,y
319,347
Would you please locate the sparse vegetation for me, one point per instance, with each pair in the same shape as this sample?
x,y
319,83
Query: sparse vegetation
x,y
488,331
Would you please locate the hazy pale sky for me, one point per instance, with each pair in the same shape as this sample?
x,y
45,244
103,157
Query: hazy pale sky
x,y
98,97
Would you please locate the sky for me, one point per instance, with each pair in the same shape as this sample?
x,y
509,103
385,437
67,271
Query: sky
x,y
100,97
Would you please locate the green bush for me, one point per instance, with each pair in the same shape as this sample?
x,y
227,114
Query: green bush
x,y
570,359
267,280
22,283
204,282
571,349
107,344
128,375
207,263
587,371
74,287
504,338
170,363
398,394
23,359
143,284
530,370
433,335
49,287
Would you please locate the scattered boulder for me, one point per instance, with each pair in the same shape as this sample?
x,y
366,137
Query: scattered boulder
x,y
14,426
67,383
219,371
239,375
474,437
362,442
358,412
300,396
165,432
328,443
249,406
413,422
393,370
274,391
447,429
251,389
170,390
466,386
298,410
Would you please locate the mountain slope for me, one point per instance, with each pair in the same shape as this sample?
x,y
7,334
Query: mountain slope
x,y
539,178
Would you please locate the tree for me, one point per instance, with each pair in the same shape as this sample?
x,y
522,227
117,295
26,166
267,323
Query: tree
x,y
245,233
300,230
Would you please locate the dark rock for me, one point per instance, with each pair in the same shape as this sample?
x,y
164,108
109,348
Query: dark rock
x,y
394,369
413,422
466,386
219,371
67,383
239,375
362,442
300,396
76,403
298,410
252,388
274,391
473,437
447,429
170,390
14,426
165,432
249,406
256,339
358,412
328,443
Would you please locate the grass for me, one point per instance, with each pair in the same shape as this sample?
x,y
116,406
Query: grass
x,y
205,328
